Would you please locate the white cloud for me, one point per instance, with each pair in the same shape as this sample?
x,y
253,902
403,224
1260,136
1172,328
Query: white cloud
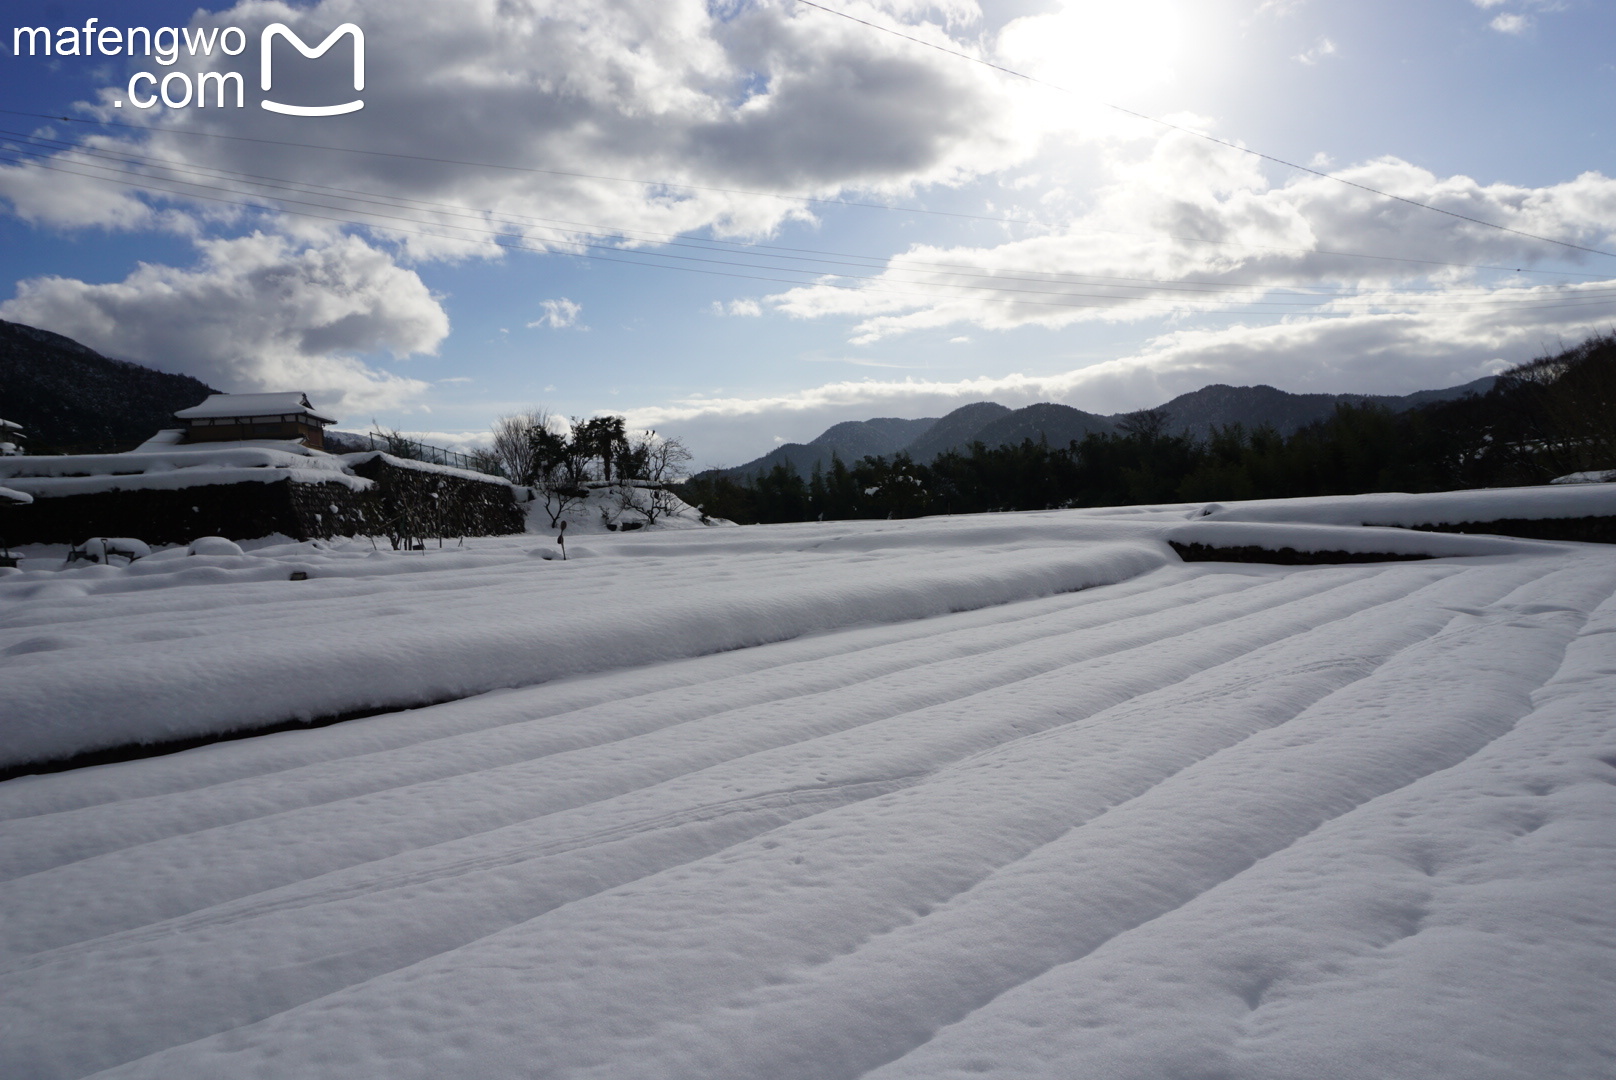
x,y
258,313
1516,23
760,97
1195,227
62,199
1322,48
558,314
1374,353
1098,46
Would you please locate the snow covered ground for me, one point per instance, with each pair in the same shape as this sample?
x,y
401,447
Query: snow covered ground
x,y
1012,795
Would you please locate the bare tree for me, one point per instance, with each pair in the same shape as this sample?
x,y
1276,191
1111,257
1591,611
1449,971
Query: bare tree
x,y
396,442
513,445
1147,424
656,462
665,458
485,460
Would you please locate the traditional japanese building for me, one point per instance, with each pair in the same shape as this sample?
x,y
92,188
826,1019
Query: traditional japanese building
x,y
240,417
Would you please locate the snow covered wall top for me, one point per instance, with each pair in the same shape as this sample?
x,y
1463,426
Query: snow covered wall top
x,y
197,464
189,466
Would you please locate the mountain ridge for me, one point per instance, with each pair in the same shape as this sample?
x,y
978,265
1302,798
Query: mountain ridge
x,y
1194,413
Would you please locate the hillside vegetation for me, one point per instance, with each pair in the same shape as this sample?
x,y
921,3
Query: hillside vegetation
x,y
1553,416
71,398
993,425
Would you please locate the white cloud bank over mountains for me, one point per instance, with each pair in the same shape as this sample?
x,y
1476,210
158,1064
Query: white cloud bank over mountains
x,y
1375,353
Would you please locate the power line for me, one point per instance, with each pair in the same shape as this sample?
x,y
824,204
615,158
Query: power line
x,y
828,258
807,200
1069,299
1202,134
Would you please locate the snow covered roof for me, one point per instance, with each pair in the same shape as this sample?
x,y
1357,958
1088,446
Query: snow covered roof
x,y
229,406
172,441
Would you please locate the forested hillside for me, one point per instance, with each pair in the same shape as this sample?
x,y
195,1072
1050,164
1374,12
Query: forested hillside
x,y
1195,414
68,397
1553,416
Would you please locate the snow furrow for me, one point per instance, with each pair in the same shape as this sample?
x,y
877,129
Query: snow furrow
x,y
922,814
780,908
1456,929
861,671
232,673
1202,827
169,877
675,685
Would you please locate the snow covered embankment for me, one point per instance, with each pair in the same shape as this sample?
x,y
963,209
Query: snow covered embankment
x,y
257,654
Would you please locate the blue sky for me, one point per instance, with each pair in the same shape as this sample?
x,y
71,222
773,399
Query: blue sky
x,y
1038,245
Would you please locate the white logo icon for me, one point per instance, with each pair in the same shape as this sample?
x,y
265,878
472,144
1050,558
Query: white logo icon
x,y
267,39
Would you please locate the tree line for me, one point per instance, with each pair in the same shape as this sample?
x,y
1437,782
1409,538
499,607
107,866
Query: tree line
x,y
1546,418
563,461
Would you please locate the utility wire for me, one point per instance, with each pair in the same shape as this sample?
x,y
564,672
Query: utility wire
x,y
996,279
1577,299
807,200
829,258
1201,134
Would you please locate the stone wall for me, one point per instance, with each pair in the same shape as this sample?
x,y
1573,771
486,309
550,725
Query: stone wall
x,y
405,503
411,502
240,511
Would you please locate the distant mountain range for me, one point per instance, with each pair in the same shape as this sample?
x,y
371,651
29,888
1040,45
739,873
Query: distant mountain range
x,y
69,397
993,425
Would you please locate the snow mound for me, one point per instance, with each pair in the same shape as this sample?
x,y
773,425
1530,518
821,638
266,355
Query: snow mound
x,y
1430,509
213,545
215,650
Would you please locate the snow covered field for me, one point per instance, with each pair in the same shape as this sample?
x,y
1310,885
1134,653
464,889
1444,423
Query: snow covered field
x,y
1017,795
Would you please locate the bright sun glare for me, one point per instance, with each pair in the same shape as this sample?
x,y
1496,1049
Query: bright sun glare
x,y
1103,48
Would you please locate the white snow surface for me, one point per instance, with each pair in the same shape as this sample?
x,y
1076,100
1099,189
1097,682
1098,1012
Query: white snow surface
x,y
1012,796
176,467
361,456
159,465
1445,507
251,405
1599,476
